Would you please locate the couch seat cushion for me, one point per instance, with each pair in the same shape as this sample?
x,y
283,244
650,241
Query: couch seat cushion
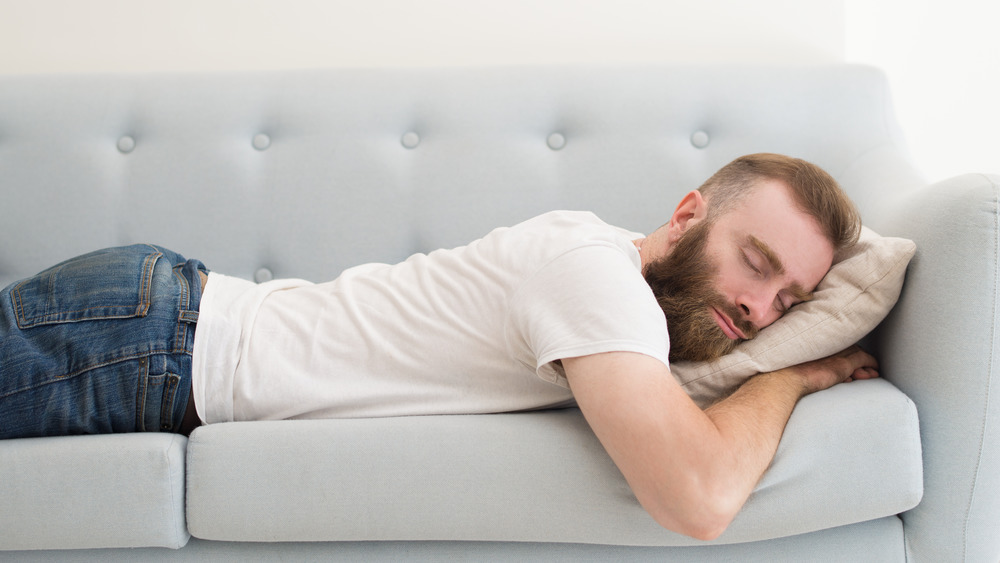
x,y
850,454
79,492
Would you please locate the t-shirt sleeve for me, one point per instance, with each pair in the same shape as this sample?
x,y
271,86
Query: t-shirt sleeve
x,y
588,300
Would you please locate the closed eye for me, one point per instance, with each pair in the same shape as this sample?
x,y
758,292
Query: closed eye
x,y
794,296
750,264
781,306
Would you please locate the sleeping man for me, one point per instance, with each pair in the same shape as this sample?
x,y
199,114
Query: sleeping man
x,y
560,309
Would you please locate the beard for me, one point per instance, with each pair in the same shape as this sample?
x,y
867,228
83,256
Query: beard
x,y
683,282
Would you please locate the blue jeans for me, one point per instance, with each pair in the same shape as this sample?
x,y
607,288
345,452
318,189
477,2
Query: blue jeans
x,y
99,344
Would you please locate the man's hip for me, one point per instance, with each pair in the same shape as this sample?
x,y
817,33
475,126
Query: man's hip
x,y
100,343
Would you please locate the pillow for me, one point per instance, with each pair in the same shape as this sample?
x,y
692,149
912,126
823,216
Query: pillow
x,y
853,298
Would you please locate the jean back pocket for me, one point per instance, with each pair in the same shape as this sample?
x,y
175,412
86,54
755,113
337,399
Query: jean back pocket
x,y
114,283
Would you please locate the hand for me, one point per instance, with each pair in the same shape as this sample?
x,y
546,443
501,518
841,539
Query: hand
x,y
848,365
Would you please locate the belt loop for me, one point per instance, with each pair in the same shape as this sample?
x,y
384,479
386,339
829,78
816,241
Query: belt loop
x,y
188,316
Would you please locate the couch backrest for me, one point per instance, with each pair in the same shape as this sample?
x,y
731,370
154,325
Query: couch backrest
x,y
302,174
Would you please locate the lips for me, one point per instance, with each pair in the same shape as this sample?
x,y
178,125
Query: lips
x,y
727,326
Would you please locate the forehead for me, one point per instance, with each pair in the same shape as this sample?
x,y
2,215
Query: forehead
x,y
770,215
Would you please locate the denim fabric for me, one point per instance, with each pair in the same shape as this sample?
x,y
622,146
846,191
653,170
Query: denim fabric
x,y
98,344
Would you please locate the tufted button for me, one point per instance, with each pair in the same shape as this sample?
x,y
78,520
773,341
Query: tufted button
x,y
126,144
263,275
700,139
410,140
556,141
261,141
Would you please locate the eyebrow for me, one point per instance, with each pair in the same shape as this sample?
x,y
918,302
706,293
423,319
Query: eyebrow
x,y
798,292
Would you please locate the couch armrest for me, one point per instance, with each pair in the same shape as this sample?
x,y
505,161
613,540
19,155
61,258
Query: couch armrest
x,y
938,346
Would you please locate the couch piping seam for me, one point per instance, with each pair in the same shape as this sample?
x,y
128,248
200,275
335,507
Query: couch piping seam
x,y
992,364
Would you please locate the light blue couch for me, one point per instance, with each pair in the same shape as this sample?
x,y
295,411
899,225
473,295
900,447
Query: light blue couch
x,y
306,173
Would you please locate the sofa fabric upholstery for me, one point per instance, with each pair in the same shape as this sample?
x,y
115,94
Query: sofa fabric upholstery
x,y
306,173
480,478
959,415
92,491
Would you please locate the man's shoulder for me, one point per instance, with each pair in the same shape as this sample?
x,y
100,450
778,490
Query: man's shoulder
x,y
559,231
567,219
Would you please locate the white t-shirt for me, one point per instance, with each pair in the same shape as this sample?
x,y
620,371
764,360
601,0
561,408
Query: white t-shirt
x,y
474,329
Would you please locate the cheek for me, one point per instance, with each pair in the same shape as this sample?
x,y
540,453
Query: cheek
x,y
731,280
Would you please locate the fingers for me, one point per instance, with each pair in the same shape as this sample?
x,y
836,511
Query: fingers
x,y
859,359
865,365
864,373
859,364
848,365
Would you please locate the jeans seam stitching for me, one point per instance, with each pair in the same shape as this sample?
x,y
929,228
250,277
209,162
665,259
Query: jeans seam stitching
x,y
180,334
78,372
140,393
145,288
146,285
167,410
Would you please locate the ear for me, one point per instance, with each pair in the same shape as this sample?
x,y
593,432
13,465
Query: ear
x,y
689,212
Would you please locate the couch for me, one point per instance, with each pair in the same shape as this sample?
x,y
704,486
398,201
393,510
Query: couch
x,y
305,173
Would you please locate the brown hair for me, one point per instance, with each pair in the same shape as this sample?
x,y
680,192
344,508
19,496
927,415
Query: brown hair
x,y
815,192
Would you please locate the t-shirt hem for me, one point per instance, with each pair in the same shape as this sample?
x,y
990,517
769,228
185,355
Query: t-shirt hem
x,y
548,370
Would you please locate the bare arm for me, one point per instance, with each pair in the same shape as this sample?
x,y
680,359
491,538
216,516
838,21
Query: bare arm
x,y
693,470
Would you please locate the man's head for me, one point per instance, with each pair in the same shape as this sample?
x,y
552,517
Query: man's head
x,y
754,240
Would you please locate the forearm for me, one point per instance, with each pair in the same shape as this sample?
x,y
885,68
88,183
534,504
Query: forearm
x,y
692,470
750,423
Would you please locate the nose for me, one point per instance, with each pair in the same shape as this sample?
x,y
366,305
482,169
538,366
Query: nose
x,y
757,308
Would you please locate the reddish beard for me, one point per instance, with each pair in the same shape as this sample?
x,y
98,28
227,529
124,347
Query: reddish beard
x,y
683,283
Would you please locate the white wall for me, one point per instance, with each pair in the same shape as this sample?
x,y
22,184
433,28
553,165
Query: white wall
x,y
941,57
943,62
138,35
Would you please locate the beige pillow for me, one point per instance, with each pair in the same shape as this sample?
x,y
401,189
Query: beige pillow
x,y
854,297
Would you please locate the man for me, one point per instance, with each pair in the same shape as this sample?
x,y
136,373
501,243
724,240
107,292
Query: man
x,y
557,309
